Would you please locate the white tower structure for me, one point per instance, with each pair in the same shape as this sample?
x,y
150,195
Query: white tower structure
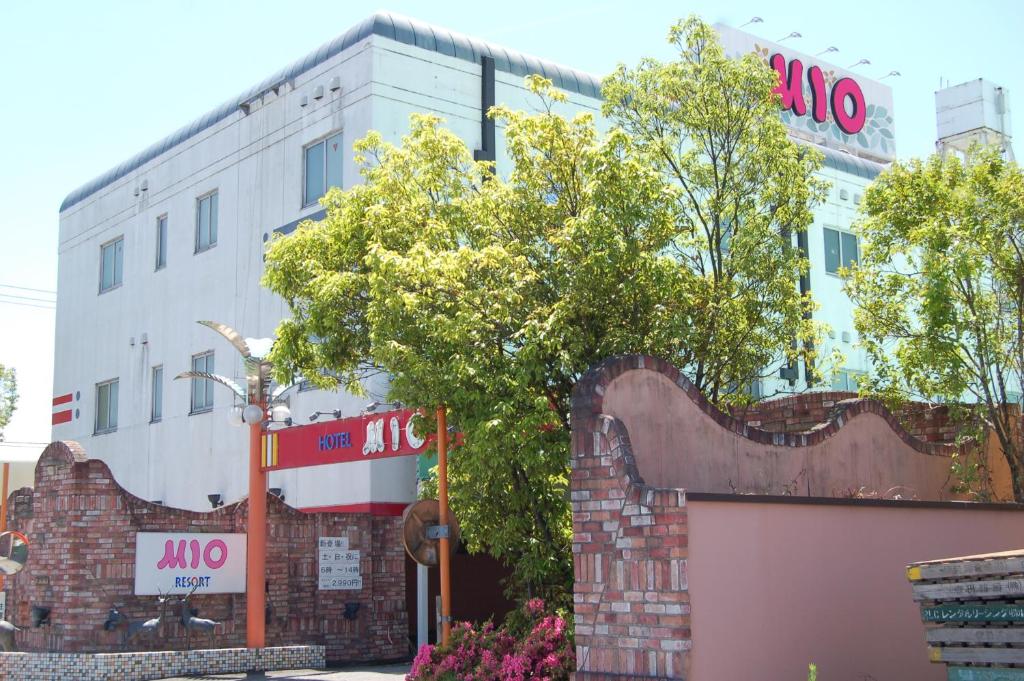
x,y
977,111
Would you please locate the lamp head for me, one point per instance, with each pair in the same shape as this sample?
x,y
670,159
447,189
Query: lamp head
x,y
252,414
280,413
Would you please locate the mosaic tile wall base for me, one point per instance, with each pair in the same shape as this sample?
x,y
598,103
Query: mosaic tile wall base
x,y
155,665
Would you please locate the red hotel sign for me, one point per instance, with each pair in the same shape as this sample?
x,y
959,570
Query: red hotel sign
x,y
360,438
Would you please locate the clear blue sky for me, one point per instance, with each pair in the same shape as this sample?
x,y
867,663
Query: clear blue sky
x,y
88,84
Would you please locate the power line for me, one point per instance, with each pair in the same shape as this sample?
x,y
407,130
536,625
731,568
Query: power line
x,y
15,295
42,307
26,288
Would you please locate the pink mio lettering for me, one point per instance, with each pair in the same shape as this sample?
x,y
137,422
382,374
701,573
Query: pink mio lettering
x,y
846,99
213,556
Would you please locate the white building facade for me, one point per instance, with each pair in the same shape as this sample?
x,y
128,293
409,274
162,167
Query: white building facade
x,y
177,234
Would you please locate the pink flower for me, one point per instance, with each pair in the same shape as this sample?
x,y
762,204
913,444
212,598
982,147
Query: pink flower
x,y
490,653
535,606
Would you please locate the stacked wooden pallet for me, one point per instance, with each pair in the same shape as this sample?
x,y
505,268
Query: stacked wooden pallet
x,y
973,609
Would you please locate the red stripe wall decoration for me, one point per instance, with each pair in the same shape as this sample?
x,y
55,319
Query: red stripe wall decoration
x,y
64,415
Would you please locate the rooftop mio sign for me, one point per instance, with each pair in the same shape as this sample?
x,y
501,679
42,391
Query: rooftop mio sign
x,y
822,103
846,102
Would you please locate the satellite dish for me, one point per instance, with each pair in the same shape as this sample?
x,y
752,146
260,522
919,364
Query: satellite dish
x,y
13,552
421,532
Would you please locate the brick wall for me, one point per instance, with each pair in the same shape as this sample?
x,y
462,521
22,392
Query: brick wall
x,y
641,552
632,603
929,423
82,526
631,540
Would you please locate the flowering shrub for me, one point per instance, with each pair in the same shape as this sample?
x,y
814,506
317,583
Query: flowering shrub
x,y
532,644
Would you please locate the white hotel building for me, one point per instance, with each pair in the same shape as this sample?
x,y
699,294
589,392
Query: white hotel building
x,y
177,233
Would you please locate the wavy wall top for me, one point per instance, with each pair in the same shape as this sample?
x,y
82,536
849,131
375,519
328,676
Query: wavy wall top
x,y
679,440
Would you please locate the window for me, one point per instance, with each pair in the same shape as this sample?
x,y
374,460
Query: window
x,y
202,388
847,380
161,242
156,411
111,264
840,250
206,222
106,407
323,168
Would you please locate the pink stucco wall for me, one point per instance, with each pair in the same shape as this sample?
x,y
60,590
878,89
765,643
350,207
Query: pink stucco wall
x,y
683,442
774,586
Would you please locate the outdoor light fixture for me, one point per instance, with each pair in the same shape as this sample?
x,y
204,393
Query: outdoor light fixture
x,y
277,492
831,48
317,414
793,34
753,20
891,73
865,62
373,406
252,414
40,616
215,500
281,414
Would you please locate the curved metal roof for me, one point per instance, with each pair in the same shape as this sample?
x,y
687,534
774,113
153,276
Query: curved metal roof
x,y
386,24
848,163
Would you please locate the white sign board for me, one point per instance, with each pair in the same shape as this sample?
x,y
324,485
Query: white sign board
x,y
338,565
822,102
179,562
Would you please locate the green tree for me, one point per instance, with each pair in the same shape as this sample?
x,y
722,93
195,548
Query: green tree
x,y
939,288
741,188
8,396
493,294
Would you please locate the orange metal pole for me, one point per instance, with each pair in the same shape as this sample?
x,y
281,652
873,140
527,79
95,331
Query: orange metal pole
x,y
442,490
256,553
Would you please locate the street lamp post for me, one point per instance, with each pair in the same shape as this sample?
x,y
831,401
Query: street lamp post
x,y
256,529
258,398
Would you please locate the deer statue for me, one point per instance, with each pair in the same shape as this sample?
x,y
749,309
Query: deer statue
x,y
190,621
114,619
7,636
136,627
